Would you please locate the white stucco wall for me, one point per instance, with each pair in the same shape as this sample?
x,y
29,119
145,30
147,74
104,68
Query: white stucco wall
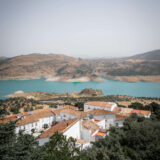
x,y
83,146
109,119
102,124
74,131
87,135
119,123
66,116
38,125
86,106
42,141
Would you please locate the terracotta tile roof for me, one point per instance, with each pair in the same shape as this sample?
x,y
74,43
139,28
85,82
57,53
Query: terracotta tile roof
x,y
61,127
90,125
81,141
27,120
141,112
99,103
116,110
99,112
35,117
87,110
78,114
58,111
69,107
146,113
42,110
120,117
8,119
24,114
125,111
96,121
100,134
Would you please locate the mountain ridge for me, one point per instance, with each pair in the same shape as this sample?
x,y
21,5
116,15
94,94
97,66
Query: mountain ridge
x,y
58,67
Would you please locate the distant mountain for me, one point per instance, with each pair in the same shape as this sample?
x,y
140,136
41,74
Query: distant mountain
x,y
56,67
2,58
152,55
43,66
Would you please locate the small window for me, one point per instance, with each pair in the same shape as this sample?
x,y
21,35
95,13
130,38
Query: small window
x,y
116,124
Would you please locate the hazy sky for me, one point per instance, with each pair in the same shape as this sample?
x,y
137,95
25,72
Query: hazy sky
x,y
79,28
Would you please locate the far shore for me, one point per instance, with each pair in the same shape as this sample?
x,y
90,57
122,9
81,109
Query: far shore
x,y
135,78
89,79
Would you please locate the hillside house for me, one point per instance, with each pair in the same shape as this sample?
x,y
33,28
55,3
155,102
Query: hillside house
x,y
69,128
142,113
35,121
84,131
128,111
100,105
71,114
89,130
66,114
103,114
119,120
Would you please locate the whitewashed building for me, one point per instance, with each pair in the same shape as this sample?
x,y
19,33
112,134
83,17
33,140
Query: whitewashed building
x,y
35,121
66,114
69,128
103,114
100,105
84,131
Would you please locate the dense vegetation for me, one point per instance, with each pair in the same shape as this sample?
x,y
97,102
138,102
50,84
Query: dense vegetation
x,y
13,105
25,146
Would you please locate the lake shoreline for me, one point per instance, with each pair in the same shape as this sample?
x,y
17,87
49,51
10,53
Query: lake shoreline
x,y
89,79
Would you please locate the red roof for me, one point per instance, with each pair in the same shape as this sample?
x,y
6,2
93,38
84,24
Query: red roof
x,y
141,112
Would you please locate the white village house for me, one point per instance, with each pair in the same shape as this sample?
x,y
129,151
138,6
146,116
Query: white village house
x,y
84,131
69,128
100,105
99,114
35,121
66,114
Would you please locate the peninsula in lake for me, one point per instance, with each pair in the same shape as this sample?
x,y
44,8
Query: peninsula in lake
x,y
56,67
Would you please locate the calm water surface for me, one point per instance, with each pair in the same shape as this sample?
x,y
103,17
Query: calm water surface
x,y
109,87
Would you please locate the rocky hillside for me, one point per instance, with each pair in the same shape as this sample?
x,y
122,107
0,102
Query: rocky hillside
x,y
43,66
142,67
152,55
55,67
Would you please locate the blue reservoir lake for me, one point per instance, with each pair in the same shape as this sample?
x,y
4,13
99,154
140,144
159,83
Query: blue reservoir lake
x,y
108,87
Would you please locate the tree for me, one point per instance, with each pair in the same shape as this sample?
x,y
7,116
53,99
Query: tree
x,y
26,148
80,105
60,148
17,147
155,108
136,105
7,139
